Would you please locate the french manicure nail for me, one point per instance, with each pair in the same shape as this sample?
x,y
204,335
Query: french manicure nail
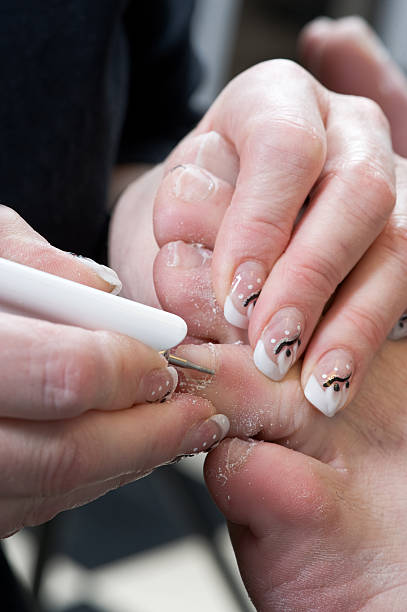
x,y
158,385
183,255
277,348
104,272
247,283
206,435
328,386
400,329
192,184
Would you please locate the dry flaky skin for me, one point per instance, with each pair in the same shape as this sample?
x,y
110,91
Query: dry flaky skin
x,y
324,528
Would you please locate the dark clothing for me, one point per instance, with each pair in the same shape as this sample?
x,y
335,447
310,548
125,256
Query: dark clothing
x,y
86,84
74,72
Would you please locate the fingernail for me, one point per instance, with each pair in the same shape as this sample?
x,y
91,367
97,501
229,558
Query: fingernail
x,y
277,348
192,184
105,273
206,435
247,283
328,386
159,385
183,255
400,329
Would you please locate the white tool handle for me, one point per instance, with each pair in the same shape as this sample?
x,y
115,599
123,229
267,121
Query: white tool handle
x,y
30,292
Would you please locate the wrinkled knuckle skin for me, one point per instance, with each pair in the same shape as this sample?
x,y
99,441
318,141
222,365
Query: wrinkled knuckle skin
x,y
394,240
317,278
62,466
69,383
368,325
373,188
296,141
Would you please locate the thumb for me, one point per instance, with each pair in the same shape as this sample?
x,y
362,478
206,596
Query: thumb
x,y
20,243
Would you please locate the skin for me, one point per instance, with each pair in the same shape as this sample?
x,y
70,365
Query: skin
x,y
263,160
316,506
73,418
72,469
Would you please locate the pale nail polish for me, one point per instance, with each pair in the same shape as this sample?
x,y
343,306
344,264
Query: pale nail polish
x,y
247,283
400,329
159,385
328,386
105,273
277,348
206,435
192,184
183,255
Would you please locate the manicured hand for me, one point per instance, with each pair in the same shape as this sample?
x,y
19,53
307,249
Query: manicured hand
x,y
81,412
274,138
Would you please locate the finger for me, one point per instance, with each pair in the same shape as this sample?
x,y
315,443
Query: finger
x,y
349,206
279,136
348,57
182,277
61,371
50,459
190,205
255,406
362,315
20,243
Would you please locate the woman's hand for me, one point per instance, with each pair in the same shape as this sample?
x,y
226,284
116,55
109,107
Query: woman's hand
x,y
274,138
81,412
316,507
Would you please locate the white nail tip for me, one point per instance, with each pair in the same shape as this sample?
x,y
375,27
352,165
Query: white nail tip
x,y
233,316
326,400
223,423
263,363
275,371
105,273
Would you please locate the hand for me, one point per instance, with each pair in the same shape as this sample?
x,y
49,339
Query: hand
x,y
338,150
348,57
77,416
317,520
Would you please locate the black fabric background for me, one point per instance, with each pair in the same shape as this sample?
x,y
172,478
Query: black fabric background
x,y
72,73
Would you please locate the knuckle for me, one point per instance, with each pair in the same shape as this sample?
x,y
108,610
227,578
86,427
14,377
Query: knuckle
x,y
316,275
394,240
370,325
297,142
366,107
71,379
261,225
372,186
62,465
